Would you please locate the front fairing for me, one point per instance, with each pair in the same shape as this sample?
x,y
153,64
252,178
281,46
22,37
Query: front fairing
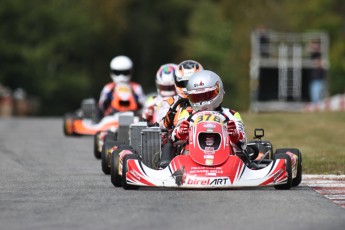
x,y
204,124
183,172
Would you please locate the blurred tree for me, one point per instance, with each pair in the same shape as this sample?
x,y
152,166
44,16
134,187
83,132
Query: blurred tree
x,y
53,49
153,36
60,50
209,41
108,21
247,15
219,36
281,16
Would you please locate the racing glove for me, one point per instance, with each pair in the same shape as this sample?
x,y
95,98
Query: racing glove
x,y
148,115
234,134
182,130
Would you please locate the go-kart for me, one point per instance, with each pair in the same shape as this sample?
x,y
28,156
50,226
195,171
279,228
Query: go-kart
x,y
113,127
208,160
84,121
108,140
145,140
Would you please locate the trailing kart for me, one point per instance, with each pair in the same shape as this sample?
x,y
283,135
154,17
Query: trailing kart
x,y
144,140
85,121
106,139
207,160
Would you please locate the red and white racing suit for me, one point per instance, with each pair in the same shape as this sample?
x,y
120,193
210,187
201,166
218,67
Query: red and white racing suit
x,y
240,145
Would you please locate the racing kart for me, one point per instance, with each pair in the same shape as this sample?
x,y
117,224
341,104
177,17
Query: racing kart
x,y
108,140
145,140
84,121
207,160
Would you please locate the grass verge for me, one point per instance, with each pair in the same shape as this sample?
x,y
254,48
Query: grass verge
x,y
319,136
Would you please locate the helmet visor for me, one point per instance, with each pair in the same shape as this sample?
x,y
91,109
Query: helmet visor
x,y
121,72
181,84
166,87
197,97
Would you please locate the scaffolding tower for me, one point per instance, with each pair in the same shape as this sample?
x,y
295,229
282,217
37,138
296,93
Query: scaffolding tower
x,y
280,66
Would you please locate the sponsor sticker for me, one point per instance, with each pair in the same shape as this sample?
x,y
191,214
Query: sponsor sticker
x,y
209,125
211,174
218,181
209,156
203,169
124,89
209,150
199,84
209,161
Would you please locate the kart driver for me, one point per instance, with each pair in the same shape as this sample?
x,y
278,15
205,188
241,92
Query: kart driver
x,y
205,92
165,85
183,72
121,68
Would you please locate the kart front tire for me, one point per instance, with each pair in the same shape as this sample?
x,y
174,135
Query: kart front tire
x,y
105,159
288,183
124,171
110,137
298,179
115,177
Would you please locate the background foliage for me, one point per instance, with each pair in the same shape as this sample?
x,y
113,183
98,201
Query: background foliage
x,y
59,50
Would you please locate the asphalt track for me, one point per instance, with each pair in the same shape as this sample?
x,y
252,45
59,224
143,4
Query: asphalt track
x,y
49,181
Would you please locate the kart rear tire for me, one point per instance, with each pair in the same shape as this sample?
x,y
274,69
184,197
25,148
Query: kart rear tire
x,y
104,161
110,136
264,146
124,171
268,146
298,179
288,184
115,177
97,154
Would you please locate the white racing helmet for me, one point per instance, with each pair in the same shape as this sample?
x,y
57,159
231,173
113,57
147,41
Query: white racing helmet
x,y
121,69
184,71
165,80
205,90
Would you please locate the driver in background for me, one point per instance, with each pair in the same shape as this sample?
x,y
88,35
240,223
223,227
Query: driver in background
x,y
121,68
184,71
165,86
205,92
